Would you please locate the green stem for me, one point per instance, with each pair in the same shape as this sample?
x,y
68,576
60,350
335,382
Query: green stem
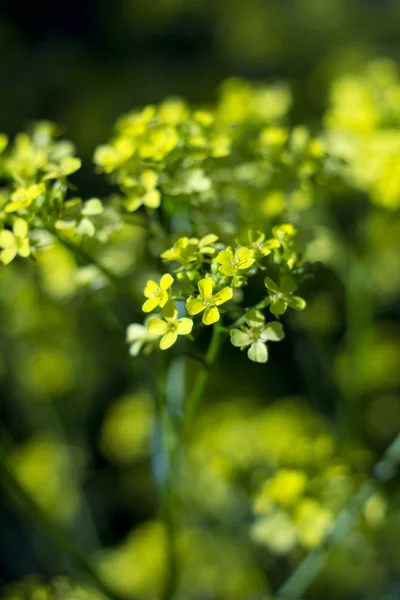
x,y
307,571
40,519
196,395
169,396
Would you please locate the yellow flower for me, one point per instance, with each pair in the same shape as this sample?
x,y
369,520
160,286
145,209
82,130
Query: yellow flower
x,y
157,294
111,157
273,138
160,142
67,166
231,262
312,522
188,250
169,327
24,196
260,246
14,242
284,488
207,301
151,196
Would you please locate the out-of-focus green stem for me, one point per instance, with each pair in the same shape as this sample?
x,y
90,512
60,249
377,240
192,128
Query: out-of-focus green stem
x,y
218,338
302,577
167,461
197,393
40,519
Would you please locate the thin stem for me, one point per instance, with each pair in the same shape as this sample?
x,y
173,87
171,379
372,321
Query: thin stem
x,y
40,519
307,571
196,395
166,463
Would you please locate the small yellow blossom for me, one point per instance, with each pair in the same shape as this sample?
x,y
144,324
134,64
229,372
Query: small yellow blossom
x,y
14,242
24,196
285,488
169,327
232,262
150,197
66,167
281,296
260,246
188,250
207,301
161,141
156,293
273,138
111,157
312,522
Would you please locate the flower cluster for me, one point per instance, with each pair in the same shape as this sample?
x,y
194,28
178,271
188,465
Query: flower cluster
x,y
35,199
362,128
209,277
234,155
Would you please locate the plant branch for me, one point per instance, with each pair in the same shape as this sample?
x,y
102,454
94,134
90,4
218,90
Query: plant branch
x,y
196,395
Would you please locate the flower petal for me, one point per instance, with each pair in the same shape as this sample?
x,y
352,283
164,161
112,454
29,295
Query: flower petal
x,y
164,299
20,228
166,281
273,332
207,240
6,239
168,340
296,302
132,203
7,255
244,255
288,284
258,352
278,307
157,327
184,326
135,331
255,318
135,348
271,285
194,305
206,287
152,199
169,311
149,179
224,257
150,304
245,264
223,296
92,207
151,287
239,338
24,249
211,315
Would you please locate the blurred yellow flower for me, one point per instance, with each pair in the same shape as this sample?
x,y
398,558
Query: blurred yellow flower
x,y
14,242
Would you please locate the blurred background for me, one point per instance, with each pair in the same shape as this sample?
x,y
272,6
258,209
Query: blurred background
x,y
298,435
